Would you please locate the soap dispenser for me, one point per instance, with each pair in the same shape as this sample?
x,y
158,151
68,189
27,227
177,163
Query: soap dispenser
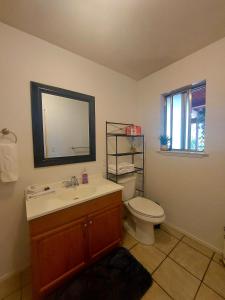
x,y
84,177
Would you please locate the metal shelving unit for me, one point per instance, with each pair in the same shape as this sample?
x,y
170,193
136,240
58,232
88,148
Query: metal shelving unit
x,y
124,153
138,170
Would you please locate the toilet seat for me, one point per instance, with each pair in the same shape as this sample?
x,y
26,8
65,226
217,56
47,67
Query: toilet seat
x,y
141,216
146,207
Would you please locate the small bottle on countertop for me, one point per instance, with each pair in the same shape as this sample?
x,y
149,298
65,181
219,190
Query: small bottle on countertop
x,y
84,177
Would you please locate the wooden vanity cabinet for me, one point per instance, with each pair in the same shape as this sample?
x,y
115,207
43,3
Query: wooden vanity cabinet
x,y
104,231
64,242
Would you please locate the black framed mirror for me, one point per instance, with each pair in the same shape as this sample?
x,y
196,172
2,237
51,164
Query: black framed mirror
x,y
63,125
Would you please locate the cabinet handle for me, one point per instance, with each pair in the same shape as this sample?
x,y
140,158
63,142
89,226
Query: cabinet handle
x,y
90,222
85,225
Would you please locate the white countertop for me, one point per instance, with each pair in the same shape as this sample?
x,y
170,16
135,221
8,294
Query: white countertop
x,y
64,197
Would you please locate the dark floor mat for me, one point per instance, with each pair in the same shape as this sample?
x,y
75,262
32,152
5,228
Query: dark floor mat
x,y
117,276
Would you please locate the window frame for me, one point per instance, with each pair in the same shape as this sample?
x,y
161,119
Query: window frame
x,y
186,104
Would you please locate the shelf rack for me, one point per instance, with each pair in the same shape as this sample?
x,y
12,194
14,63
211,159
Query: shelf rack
x,y
138,170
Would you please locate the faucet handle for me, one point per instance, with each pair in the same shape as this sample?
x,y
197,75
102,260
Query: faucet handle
x,y
74,180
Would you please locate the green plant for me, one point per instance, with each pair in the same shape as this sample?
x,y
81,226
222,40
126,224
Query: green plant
x,y
164,140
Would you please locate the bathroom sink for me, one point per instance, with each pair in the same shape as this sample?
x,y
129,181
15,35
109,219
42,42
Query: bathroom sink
x,y
78,192
62,197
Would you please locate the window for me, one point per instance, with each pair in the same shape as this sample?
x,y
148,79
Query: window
x,y
184,118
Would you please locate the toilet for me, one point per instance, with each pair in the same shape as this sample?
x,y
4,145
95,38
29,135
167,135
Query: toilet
x,y
141,214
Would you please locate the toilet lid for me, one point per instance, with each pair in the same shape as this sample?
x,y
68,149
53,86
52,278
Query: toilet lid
x,y
146,207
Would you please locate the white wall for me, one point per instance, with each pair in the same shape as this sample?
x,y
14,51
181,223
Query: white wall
x,y
24,58
191,190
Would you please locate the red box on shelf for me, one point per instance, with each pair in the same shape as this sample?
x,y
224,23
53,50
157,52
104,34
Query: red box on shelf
x,y
133,130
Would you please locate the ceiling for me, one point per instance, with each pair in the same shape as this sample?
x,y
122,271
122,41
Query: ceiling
x,y
133,37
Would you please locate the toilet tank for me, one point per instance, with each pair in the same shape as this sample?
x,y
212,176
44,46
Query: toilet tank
x,y
129,184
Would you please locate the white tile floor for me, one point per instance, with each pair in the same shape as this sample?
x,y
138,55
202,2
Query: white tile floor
x,y
182,269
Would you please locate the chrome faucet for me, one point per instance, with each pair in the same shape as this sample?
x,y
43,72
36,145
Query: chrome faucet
x,y
72,182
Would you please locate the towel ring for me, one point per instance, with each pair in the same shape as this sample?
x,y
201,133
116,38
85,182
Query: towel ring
x,y
6,131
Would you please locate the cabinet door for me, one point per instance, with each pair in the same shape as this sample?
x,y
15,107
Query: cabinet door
x,y
104,230
57,254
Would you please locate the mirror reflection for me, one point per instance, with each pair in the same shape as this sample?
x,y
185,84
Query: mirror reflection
x,y
65,126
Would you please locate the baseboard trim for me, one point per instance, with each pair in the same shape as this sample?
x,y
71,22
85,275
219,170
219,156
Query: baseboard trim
x,y
213,248
12,273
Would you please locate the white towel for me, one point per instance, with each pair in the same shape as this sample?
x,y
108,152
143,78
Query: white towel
x,y
121,166
122,171
8,162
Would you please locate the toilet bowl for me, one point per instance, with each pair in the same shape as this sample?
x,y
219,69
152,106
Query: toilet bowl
x,y
141,213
